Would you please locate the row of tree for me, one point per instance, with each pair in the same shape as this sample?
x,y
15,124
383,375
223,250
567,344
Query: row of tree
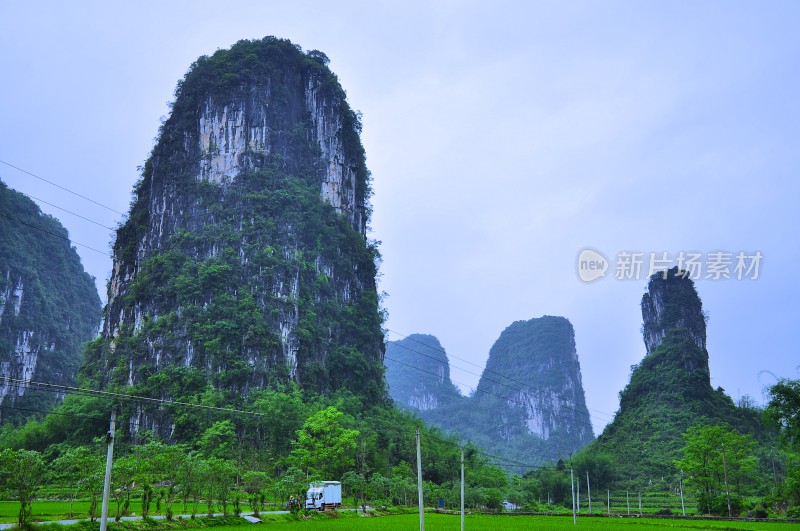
x,y
227,466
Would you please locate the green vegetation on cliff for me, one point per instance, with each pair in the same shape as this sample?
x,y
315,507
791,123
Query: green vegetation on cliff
x,y
48,306
670,390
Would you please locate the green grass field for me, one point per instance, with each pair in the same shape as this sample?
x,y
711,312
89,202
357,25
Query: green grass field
x,y
441,522
47,510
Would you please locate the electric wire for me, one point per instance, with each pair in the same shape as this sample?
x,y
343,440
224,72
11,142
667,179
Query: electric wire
x,y
54,234
110,394
61,187
57,388
238,192
67,211
526,386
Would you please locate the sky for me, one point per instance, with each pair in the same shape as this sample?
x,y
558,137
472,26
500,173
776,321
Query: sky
x,y
503,138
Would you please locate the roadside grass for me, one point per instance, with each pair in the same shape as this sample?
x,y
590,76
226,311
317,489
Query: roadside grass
x,y
442,522
47,510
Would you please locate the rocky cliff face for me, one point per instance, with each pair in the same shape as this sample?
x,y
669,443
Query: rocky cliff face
x,y
529,405
533,369
244,261
418,373
48,306
672,306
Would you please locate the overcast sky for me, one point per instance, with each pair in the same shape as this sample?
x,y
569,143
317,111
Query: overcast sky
x,y
503,139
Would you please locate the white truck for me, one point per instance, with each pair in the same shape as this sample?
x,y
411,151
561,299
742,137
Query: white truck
x,y
324,495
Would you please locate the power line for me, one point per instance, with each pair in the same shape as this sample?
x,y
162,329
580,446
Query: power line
x,y
54,234
67,211
109,394
242,194
57,388
73,415
61,187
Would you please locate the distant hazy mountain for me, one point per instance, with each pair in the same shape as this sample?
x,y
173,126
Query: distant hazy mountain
x,y
529,406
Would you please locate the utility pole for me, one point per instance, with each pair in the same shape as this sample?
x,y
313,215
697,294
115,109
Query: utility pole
x,y
419,485
589,491
628,500
572,484
683,507
462,489
608,491
725,468
107,482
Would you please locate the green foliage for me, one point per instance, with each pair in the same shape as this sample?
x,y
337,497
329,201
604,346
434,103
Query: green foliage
x,y
783,412
784,409
77,420
712,456
218,441
81,470
325,448
21,474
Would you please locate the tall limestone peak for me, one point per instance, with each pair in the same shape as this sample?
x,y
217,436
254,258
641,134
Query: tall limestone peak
x,y
671,306
670,390
674,333
533,369
418,373
244,260
48,306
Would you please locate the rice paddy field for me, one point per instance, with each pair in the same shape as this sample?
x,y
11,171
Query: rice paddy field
x,y
348,520
442,522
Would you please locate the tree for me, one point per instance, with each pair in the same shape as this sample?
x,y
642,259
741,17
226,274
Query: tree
x,y
254,483
81,468
293,483
157,463
190,476
122,474
357,485
717,459
21,473
324,448
220,478
600,467
378,488
784,408
403,483
219,440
